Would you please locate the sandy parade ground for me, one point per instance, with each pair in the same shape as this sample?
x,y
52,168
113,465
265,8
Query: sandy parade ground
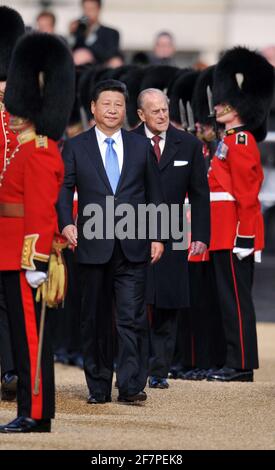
x,y
189,415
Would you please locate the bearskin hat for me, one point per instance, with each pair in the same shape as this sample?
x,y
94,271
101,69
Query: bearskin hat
x,y
271,117
75,116
200,103
40,84
182,89
159,76
91,76
132,80
11,28
244,79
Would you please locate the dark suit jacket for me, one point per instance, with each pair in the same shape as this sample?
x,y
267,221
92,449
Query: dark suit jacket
x,y
105,46
167,285
84,170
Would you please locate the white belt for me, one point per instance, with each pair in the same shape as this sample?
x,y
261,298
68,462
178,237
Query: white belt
x,y
221,197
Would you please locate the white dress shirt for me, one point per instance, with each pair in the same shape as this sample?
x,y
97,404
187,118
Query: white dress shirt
x,y
150,135
117,146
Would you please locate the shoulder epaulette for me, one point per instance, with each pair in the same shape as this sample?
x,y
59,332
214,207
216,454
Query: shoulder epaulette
x,y
241,138
41,141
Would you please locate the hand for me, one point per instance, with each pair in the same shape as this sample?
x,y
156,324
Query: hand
x,y
197,248
157,250
70,232
242,253
73,26
35,278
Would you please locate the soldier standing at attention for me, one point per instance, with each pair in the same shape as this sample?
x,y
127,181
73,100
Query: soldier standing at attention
x,y
39,96
242,93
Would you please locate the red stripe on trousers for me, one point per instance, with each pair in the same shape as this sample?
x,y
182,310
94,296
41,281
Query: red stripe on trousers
x,y
238,307
32,340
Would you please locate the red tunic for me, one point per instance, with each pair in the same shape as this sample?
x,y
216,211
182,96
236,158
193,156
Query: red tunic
x,y
30,187
235,180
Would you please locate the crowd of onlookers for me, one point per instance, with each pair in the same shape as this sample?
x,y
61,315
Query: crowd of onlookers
x,y
92,42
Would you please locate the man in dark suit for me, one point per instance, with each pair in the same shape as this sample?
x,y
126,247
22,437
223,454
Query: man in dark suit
x,y
107,163
87,32
183,172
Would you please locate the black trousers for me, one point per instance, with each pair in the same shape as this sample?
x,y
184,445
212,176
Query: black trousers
x,y
6,353
65,321
200,335
234,280
208,341
24,319
163,333
184,355
121,283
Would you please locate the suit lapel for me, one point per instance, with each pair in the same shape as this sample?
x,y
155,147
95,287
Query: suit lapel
x,y
170,149
92,148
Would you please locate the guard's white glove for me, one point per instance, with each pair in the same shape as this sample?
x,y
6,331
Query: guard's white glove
x,y
35,278
242,253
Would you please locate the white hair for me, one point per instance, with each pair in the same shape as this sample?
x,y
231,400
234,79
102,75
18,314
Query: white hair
x,y
149,91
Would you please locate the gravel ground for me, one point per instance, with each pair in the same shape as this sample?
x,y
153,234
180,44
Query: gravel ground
x,y
188,415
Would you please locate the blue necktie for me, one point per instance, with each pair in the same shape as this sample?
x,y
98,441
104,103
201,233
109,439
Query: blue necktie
x,y
111,164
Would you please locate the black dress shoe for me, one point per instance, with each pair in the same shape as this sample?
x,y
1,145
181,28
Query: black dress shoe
x,y
156,382
9,387
227,374
173,374
200,374
76,359
140,396
61,358
213,370
23,424
98,398
179,373
186,374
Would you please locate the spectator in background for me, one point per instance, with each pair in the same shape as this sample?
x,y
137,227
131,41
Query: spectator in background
x,y
87,31
45,22
82,56
164,49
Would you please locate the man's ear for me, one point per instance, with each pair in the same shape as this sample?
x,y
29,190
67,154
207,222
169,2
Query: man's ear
x,y
92,107
141,115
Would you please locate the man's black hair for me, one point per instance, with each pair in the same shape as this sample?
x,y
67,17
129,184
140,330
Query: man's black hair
x,y
109,85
